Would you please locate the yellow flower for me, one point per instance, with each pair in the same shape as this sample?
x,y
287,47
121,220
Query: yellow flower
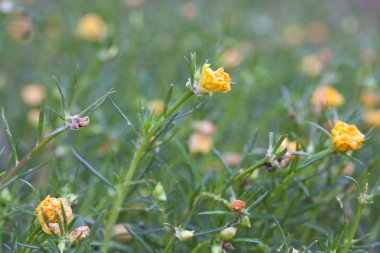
x,y
91,27
214,81
50,206
327,96
346,137
200,143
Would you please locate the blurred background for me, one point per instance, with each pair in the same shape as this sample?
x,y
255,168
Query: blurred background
x,y
277,53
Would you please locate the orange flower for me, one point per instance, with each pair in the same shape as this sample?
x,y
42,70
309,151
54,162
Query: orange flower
x,y
52,207
214,81
327,96
346,137
237,206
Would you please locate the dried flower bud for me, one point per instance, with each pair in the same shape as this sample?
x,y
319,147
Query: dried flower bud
x,y
228,233
365,198
79,233
237,206
77,122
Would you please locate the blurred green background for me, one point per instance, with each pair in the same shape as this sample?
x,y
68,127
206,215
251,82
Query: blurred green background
x,y
277,53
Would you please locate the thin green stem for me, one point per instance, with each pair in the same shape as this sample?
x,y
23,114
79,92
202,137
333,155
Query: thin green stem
x,y
123,189
12,172
247,172
354,228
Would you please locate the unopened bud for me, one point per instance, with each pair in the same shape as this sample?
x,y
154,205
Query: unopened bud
x,y
79,233
185,235
228,233
216,249
159,192
245,222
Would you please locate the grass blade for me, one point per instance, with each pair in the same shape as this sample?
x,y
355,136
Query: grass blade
x,y
59,87
92,170
9,135
41,122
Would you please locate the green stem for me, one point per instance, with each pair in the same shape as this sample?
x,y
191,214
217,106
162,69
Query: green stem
x,y
199,246
247,172
11,173
354,228
123,189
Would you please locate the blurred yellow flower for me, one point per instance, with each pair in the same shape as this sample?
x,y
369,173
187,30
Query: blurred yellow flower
x,y
369,98
371,118
91,27
200,143
214,81
327,96
51,206
205,127
346,137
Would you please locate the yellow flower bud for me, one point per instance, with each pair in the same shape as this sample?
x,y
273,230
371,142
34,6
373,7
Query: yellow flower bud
x,y
51,206
346,137
369,98
327,96
371,118
228,233
214,81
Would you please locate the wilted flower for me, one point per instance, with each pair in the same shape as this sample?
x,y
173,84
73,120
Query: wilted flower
x,y
237,206
200,143
79,233
327,96
213,81
49,208
228,233
369,98
346,137
33,94
91,27
371,118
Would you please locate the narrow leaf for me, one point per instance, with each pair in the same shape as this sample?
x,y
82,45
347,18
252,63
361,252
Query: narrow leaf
x,y
91,169
8,133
